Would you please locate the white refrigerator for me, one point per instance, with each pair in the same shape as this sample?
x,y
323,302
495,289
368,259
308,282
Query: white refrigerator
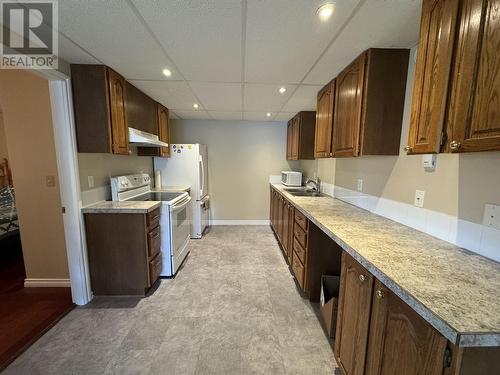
x,y
188,165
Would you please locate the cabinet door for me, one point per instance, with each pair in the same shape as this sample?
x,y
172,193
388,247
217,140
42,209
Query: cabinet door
x,y
119,129
435,50
141,110
355,298
289,139
348,107
474,118
324,121
286,217
401,342
296,138
291,211
163,128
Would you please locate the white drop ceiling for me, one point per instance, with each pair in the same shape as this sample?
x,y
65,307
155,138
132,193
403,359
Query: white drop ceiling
x,y
231,56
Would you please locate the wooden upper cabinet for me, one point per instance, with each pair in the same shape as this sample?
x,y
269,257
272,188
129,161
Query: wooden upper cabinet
x,y
401,342
430,90
348,107
117,100
324,121
474,113
141,110
164,129
300,136
369,103
355,298
99,100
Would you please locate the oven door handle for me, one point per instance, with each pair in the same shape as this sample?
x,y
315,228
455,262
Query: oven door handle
x,y
180,205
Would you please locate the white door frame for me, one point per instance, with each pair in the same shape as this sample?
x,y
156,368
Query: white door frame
x,y
69,181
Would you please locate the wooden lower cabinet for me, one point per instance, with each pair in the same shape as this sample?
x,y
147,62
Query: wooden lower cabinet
x,y
124,252
353,319
401,342
379,334
282,219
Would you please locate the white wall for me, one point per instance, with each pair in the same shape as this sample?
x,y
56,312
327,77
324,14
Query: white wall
x,y
241,156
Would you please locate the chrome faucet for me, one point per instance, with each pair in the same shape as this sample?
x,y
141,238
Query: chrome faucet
x,y
317,183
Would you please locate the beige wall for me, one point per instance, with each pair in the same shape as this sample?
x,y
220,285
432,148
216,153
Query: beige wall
x,y
241,156
460,185
25,103
3,140
104,166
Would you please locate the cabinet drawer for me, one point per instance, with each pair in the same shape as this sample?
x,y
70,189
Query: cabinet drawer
x,y
301,235
299,250
153,218
155,269
300,219
154,240
298,270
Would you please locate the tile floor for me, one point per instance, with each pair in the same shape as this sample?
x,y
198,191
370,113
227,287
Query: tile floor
x,y
232,309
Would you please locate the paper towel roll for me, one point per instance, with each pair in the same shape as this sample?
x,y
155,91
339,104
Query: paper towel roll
x,y
158,179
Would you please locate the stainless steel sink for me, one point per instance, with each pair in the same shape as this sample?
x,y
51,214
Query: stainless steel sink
x,y
305,193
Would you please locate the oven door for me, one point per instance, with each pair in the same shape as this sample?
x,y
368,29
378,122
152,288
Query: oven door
x,y
181,224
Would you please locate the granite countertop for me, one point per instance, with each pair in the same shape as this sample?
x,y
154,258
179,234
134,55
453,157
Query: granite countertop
x,y
130,207
456,291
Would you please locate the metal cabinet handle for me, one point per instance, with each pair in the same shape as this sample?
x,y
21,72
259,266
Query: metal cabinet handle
x,y
380,294
455,145
362,278
408,148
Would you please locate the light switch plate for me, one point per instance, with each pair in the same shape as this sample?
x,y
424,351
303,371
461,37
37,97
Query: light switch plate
x,y
91,182
491,216
50,181
419,198
360,185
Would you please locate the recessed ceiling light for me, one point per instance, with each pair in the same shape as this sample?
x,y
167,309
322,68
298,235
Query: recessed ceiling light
x,y
268,114
282,90
166,72
196,106
325,11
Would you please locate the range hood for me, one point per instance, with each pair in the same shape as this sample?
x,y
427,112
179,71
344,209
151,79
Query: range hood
x,y
143,139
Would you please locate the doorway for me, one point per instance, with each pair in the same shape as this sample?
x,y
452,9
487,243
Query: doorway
x,y
35,284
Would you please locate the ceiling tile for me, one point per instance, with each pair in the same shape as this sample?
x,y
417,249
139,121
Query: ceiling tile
x,y
396,26
70,52
111,31
174,95
173,115
219,115
265,98
303,99
218,96
284,116
193,115
202,37
257,116
285,37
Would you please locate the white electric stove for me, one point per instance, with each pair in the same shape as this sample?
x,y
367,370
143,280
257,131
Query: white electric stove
x,y
175,216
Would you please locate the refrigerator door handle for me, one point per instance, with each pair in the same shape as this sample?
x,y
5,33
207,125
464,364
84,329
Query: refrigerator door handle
x,y
202,177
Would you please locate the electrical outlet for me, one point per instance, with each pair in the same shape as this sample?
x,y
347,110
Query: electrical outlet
x,y
50,181
360,184
491,216
419,198
91,182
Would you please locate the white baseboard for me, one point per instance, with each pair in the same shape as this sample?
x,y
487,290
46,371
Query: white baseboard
x,y
239,222
47,283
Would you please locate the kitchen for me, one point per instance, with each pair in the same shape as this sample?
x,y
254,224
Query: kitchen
x,y
220,194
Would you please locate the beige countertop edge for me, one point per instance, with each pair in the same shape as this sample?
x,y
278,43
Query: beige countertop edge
x,y
120,207
462,339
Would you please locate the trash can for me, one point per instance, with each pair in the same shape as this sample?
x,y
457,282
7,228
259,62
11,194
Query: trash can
x,y
329,303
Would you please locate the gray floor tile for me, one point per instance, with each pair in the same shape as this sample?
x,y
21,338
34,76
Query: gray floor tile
x,y
232,309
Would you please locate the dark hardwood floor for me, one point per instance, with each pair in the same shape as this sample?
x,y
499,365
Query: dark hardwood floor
x,y
25,313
